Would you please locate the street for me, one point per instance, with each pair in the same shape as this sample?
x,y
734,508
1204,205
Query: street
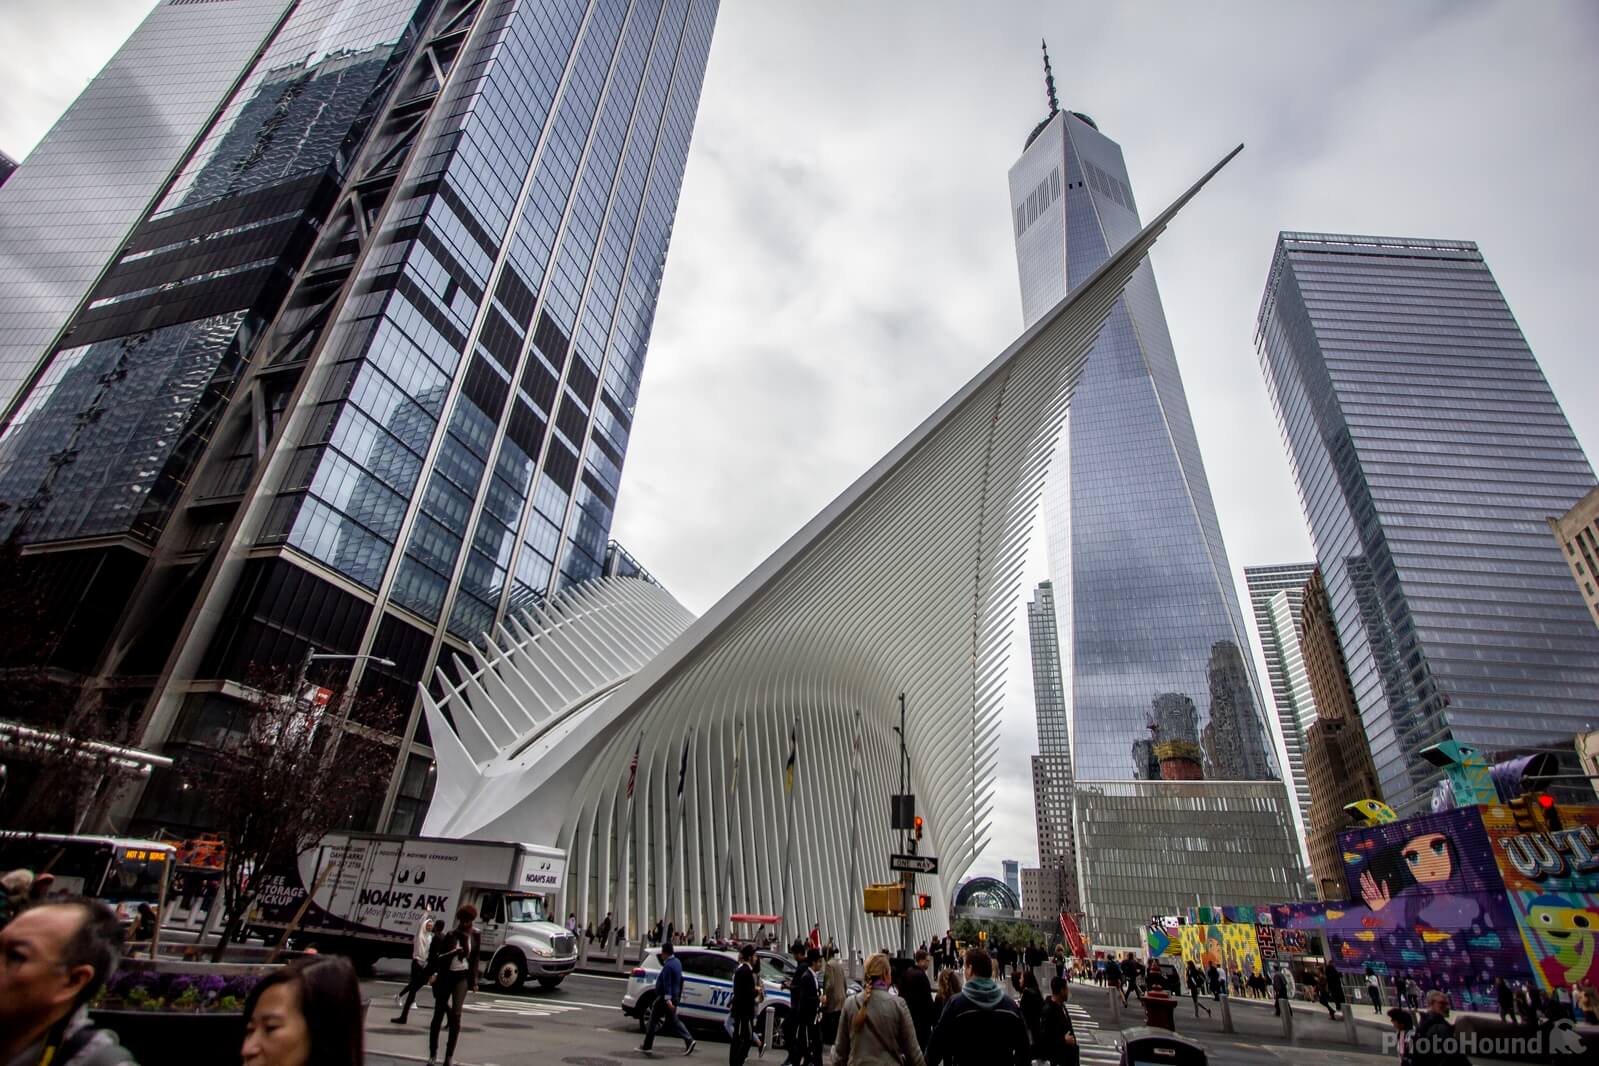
x,y
581,1024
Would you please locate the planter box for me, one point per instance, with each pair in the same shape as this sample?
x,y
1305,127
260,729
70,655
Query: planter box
x,y
167,1036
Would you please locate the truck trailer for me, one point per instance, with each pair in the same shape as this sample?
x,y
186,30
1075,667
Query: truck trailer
x,y
370,893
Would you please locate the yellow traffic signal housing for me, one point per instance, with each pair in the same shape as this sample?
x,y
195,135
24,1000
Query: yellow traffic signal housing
x,y
1528,815
885,899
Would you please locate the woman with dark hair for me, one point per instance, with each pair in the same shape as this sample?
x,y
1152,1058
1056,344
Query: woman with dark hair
x,y
454,963
306,1014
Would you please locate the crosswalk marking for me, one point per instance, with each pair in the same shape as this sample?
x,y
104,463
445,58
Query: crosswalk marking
x,y
522,1007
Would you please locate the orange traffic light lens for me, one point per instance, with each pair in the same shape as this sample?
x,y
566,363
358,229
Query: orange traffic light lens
x,y
1546,801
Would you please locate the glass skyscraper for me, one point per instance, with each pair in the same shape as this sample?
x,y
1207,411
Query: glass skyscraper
x,y
1052,766
1277,595
1160,690
358,375
1429,451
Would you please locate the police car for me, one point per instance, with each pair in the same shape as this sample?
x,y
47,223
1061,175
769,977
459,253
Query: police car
x,y
708,988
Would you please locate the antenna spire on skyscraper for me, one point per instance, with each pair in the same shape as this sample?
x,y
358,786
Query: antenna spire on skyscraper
x,y
1049,81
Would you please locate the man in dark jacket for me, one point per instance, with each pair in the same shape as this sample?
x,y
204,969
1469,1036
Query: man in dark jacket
x,y
742,1008
1436,1043
981,1025
53,958
917,991
805,1008
1057,1043
668,995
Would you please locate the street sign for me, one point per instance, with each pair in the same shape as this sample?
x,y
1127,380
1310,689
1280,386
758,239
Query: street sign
x,y
921,864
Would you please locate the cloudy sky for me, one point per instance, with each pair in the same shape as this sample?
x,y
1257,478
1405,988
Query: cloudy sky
x,y
843,259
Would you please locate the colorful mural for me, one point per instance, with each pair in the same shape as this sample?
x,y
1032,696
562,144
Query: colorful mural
x,y
1428,903
1163,937
1552,884
1230,945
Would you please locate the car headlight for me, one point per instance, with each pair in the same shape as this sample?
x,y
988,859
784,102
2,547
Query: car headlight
x,y
541,951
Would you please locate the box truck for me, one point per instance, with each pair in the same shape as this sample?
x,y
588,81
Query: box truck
x,y
369,893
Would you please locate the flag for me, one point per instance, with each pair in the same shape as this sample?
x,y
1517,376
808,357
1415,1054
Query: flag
x,y
632,767
682,770
793,755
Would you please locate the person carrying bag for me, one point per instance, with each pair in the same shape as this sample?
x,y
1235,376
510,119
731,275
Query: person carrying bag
x,y
875,1028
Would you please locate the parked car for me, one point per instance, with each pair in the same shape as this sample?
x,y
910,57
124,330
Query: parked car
x,y
708,989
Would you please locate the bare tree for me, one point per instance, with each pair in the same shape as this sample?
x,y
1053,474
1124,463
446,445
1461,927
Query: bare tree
x,y
279,786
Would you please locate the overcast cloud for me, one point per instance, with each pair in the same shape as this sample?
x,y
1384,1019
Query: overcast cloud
x,y
843,258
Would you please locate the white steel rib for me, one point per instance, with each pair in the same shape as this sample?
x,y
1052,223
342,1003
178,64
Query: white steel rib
x,y
907,582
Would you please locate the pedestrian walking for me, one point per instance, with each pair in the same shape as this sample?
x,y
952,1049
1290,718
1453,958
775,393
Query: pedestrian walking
x,y
1279,990
1031,1001
1404,1024
1374,990
981,1025
813,1026
1113,977
307,1012
1332,990
453,961
604,931
54,957
420,947
835,988
1196,987
668,996
916,989
1436,1042
949,983
741,1011
1057,1041
876,1028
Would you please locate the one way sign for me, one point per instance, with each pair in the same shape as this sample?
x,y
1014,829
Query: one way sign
x,y
922,864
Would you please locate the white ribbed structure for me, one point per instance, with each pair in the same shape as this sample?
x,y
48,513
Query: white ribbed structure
x,y
908,582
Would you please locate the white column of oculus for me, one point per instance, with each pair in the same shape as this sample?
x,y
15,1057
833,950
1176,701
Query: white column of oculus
x,y
907,582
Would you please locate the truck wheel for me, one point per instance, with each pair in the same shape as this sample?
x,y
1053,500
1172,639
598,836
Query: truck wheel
x,y
508,971
646,1004
551,982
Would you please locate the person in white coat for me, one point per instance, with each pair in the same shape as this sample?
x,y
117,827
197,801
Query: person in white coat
x,y
419,966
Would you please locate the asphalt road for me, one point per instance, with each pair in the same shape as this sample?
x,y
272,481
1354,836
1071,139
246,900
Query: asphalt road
x,y
581,1024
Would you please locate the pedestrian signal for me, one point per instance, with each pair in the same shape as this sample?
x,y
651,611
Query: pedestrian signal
x,y
924,902
982,935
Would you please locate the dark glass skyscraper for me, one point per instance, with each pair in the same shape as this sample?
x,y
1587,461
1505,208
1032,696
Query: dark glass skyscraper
x,y
1052,766
1429,450
361,378
1177,787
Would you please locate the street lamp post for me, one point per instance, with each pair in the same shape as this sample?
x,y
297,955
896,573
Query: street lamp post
x,y
311,656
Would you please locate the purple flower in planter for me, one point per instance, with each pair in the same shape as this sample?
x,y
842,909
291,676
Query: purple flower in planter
x,y
211,987
126,982
239,987
178,984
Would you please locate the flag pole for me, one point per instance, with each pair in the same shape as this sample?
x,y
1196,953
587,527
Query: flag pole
x,y
792,771
854,847
675,838
725,882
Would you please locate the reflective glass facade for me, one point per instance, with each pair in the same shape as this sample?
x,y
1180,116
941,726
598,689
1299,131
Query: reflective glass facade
x,y
362,365
83,188
1052,766
1429,451
1276,596
1159,687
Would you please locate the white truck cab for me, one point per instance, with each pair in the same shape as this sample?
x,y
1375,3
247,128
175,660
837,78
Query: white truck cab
x,y
519,941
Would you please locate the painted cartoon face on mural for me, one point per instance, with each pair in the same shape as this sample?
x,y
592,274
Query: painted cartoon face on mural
x,y
1429,858
1567,931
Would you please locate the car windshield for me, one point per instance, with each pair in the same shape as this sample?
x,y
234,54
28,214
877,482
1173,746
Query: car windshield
x,y
525,908
772,969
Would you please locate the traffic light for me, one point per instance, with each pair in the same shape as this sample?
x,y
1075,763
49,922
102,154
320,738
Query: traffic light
x,y
1551,813
924,902
885,899
1528,816
918,827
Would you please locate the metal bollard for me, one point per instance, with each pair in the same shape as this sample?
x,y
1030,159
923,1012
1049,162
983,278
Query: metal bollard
x,y
1115,1008
1226,1014
1288,1019
1350,1033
